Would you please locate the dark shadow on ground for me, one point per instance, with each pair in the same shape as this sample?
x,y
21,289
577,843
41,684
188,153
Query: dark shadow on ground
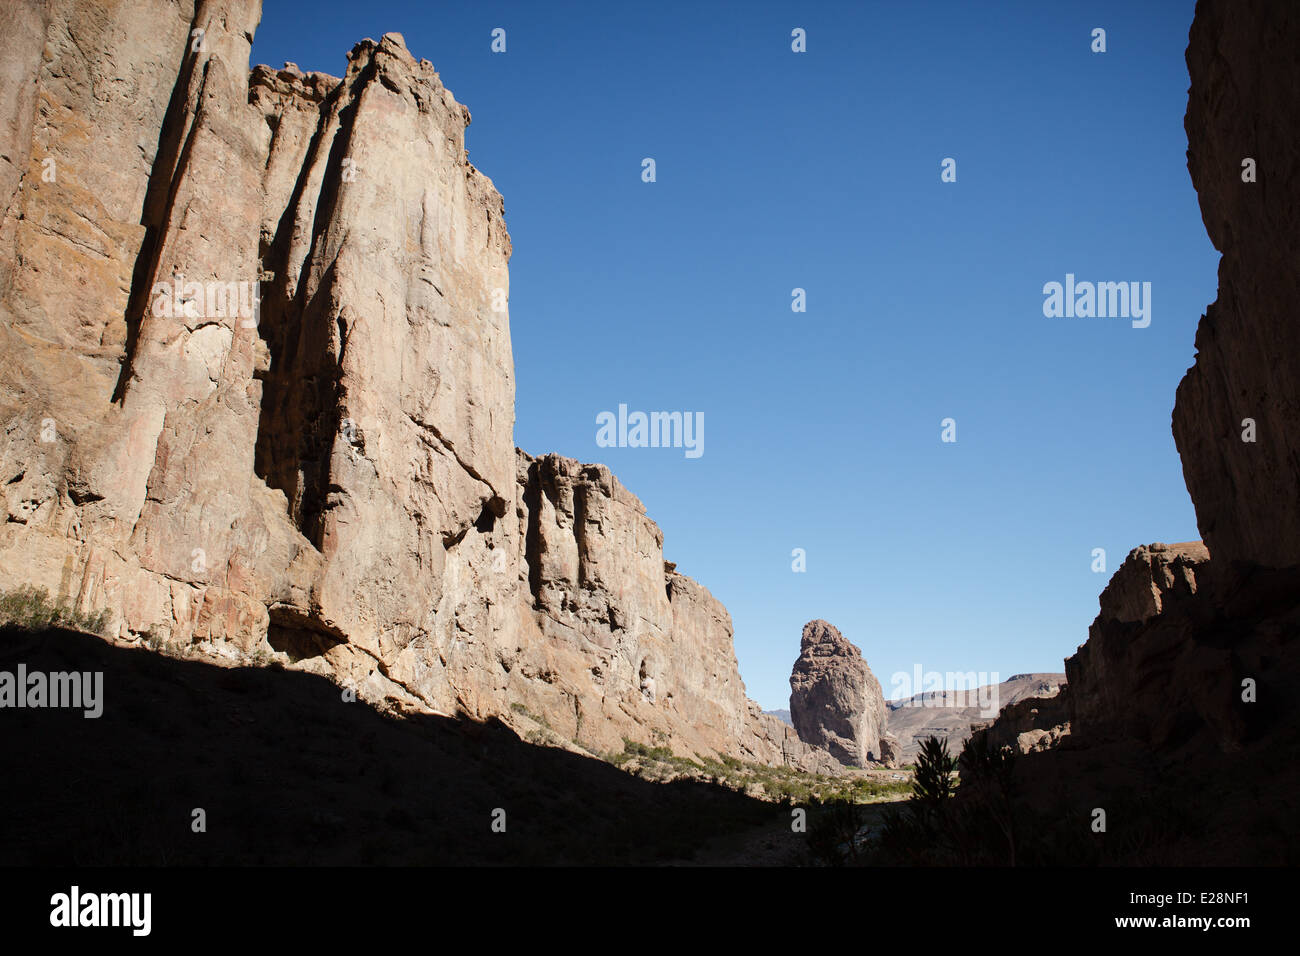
x,y
289,773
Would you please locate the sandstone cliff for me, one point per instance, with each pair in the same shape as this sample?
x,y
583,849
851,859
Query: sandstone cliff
x,y
259,392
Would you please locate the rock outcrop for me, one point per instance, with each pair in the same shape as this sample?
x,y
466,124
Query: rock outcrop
x,y
1029,723
613,637
891,751
1154,670
1140,641
836,703
258,392
951,715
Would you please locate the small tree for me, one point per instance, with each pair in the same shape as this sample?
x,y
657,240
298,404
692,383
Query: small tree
x,y
921,835
933,783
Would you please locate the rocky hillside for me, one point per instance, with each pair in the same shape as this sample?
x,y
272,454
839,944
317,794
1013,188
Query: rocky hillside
x,y
258,392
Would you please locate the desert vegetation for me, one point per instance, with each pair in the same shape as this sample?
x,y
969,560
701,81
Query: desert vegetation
x,y
32,609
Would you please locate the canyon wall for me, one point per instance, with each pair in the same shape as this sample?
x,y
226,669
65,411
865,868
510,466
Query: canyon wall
x,y
1183,626
1193,662
1244,104
258,392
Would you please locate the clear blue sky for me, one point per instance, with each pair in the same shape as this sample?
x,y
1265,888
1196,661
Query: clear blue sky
x,y
821,170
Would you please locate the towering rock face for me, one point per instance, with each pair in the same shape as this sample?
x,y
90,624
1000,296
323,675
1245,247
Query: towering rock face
x,y
258,393
237,415
835,701
1182,626
1244,104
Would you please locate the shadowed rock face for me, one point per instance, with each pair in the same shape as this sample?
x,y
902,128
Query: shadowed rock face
x,y
334,478
1113,677
1182,625
835,701
1185,693
1244,103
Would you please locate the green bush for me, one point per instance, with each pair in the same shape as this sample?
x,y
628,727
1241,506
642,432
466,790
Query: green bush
x,y
31,608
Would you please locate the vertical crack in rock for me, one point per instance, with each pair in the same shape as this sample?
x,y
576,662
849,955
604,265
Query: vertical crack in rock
x,y
300,413
174,138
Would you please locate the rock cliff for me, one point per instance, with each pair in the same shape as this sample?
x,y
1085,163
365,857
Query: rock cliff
x,y
259,392
1183,625
1244,105
1140,641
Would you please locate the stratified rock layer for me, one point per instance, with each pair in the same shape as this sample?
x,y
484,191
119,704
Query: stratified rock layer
x,y
330,476
836,703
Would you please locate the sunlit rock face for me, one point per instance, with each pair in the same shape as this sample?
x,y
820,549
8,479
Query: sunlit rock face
x,y
258,393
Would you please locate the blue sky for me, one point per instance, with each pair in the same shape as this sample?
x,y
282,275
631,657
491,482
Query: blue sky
x,y
821,171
